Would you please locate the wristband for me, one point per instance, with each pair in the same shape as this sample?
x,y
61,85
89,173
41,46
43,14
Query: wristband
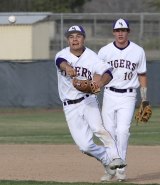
x,y
143,91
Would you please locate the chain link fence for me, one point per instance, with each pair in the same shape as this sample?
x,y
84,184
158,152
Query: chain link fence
x,y
145,30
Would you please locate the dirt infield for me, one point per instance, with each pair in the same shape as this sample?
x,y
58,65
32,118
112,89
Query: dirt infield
x,y
64,163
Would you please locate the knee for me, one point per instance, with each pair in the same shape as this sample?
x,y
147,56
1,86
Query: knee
x,y
99,130
111,131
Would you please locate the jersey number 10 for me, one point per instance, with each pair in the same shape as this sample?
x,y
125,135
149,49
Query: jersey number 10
x,y
128,76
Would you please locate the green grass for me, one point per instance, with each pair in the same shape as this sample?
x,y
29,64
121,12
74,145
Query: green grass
x,y
4,182
146,133
33,126
48,126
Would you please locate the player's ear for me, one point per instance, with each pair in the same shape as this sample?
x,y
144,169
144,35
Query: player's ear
x,y
113,32
67,41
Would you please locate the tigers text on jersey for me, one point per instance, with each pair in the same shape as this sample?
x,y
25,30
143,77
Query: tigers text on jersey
x,y
128,61
86,66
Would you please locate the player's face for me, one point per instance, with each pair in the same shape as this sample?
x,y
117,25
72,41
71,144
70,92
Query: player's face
x,y
121,37
76,41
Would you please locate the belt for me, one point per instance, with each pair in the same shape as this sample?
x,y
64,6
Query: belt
x,y
69,102
119,90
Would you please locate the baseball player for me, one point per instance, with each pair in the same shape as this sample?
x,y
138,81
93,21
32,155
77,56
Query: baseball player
x,y
129,71
81,109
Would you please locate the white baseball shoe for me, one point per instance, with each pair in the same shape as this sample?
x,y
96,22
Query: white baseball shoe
x,y
117,163
120,174
107,177
110,171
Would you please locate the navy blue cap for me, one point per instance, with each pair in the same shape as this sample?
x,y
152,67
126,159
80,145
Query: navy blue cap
x,y
75,29
120,24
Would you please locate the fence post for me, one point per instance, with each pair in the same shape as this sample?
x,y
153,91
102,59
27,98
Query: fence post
x,y
62,30
141,28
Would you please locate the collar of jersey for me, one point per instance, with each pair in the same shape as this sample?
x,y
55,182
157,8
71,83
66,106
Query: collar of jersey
x,y
82,52
121,48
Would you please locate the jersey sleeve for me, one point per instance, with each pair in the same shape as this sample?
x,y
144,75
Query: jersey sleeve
x,y
142,63
101,54
59,61
59,58
101,67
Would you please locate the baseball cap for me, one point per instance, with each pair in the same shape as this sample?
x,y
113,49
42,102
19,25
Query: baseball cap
x,y
120,24
75,29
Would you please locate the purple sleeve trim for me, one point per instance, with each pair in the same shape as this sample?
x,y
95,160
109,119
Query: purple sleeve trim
x,y
59,61
109,72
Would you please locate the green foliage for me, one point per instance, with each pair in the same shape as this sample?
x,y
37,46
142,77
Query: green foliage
x,y
155,4
55,6
58,5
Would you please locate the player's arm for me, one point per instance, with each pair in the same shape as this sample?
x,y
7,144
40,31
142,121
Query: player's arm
x,y
143,86
104,79
64,66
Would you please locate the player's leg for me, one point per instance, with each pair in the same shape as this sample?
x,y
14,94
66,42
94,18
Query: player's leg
x,y
124,119
82,134
109,121
93,116
122,131
94,119
109,113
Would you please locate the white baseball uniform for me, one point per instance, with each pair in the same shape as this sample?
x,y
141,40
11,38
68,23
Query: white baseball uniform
x,y
81,110
120,94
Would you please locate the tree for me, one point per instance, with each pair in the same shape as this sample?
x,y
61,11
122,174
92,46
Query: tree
x,y
155,4
55,6
119,6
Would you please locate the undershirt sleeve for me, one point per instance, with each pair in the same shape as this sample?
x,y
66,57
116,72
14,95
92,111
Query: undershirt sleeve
x,y
59,61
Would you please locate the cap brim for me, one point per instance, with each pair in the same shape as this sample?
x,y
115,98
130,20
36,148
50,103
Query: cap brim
x,y
121,29
70,32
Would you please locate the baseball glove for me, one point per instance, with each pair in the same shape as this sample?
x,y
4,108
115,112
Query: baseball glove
x,y
144,112
86,86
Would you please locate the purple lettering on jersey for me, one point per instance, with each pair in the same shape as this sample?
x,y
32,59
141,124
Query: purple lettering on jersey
x,y
83,72
116,65
77,70
89,75
123,64
133,66
128,64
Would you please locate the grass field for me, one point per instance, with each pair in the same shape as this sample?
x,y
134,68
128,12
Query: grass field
x,y
48,126
55,183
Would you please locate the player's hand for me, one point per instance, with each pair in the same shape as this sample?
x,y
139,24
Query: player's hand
x,y
70,71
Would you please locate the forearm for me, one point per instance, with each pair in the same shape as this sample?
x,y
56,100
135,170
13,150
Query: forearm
x,y
143,86
70,71
105,79
63,65
102,80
